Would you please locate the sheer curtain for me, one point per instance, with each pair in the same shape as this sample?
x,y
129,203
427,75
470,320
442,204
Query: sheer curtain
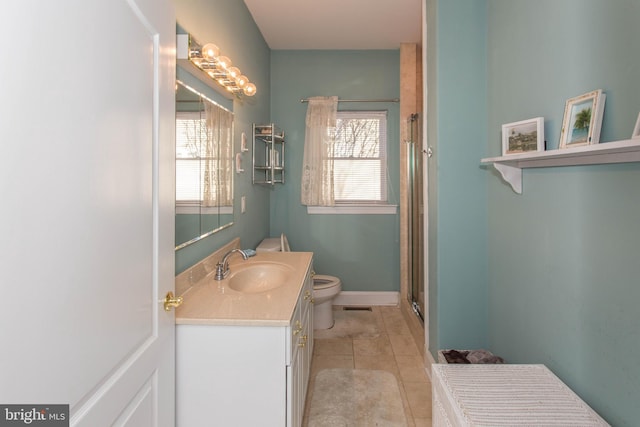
x,y
218,159
317,162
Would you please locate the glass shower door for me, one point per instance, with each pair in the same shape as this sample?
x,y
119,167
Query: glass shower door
x,y
416,214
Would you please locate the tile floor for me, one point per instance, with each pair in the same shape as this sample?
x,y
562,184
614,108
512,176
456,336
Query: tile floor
x,y
394,350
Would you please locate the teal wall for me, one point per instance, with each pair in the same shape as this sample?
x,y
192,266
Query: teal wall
x,y
363,250
564,274
457,130
229,24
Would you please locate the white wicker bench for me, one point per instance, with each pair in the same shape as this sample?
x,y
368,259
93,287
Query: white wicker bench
x,y
505,395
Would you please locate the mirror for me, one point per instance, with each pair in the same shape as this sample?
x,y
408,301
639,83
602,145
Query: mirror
x,y
204,166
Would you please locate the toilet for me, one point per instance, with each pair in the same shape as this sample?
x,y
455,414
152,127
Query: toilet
x,y
325,288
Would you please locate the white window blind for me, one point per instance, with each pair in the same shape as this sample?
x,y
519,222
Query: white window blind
x,y
360,157
191,133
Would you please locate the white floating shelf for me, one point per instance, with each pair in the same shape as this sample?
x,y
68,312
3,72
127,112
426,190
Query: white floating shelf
x,y
510,167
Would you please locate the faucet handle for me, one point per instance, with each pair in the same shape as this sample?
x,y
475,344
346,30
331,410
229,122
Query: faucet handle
x,y
219,271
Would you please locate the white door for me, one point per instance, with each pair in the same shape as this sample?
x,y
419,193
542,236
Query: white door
x,y
86,208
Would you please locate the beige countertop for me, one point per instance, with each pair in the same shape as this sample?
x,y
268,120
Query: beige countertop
x,y
213,302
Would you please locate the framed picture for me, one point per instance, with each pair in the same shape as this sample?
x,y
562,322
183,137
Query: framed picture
x,y
636,129
582,119
523,136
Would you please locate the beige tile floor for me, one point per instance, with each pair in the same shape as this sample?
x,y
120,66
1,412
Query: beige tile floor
x,y
394,350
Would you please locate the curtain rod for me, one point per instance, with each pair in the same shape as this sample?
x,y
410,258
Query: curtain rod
x,y
361,100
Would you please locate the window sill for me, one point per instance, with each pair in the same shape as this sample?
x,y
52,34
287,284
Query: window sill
x,y
202,210
353,210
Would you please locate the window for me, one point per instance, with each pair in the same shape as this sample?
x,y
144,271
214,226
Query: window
x,y
191,129
203,160
359,165
360,157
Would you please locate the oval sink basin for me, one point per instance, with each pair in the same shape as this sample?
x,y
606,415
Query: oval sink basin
x,y
259,278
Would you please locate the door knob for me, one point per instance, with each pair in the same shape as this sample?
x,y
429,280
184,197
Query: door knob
x,y
171,302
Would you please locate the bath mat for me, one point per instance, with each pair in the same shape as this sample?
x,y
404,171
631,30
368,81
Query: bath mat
x,y
354,324
356,398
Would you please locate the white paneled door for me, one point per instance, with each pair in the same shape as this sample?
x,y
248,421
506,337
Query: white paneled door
x,y
86,208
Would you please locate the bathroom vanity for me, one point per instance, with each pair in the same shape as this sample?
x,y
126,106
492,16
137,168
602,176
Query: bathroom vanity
x,y
244,344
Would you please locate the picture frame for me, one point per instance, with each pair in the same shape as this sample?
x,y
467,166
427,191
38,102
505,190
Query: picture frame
x,y
582,119
636,129
523,137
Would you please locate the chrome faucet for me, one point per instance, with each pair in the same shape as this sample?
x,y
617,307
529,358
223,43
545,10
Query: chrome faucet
x,y
222,267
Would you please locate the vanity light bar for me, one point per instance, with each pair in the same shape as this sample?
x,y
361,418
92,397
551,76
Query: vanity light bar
x,y
208,59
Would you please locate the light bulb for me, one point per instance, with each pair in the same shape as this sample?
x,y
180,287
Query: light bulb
x,y
242,81
210,51
249,89
224,62
234,72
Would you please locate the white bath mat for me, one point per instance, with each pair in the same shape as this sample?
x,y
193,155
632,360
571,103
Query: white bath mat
x,y
356,398
354,324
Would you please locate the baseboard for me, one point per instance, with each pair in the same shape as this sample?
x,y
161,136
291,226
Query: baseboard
x,y
356,298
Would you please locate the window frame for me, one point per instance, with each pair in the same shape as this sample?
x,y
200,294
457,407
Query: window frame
x,y
365,207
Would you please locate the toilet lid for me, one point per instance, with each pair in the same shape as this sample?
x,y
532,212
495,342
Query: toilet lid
x,y
323,282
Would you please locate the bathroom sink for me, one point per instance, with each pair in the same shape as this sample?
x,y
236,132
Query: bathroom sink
x,y
260,277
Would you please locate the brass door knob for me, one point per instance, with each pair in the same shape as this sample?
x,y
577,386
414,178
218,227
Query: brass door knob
x,y
171,302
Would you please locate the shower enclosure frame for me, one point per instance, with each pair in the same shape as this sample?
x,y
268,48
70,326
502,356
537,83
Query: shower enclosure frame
x,y
416,205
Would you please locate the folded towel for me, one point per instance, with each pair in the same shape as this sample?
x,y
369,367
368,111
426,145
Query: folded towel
x,y
483,356
455,356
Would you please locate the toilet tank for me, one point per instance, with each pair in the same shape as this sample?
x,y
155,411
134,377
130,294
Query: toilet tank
x,y
270,244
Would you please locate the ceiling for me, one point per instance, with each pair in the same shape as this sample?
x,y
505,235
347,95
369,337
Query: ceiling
x,y
337,24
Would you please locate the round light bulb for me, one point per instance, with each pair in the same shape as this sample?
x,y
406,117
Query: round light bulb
x,y
249,89
210,51
224,62
234,72
242,81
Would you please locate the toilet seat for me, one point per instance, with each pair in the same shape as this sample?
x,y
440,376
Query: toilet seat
x,y
321,281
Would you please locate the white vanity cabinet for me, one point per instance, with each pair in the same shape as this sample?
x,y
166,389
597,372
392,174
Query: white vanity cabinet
x,y
252,372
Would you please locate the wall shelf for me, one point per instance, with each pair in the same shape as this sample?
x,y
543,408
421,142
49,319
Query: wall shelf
x,y
268,155
510,167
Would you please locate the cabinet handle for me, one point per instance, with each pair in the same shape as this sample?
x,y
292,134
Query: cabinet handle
x,y
307,297
298,328
303,341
